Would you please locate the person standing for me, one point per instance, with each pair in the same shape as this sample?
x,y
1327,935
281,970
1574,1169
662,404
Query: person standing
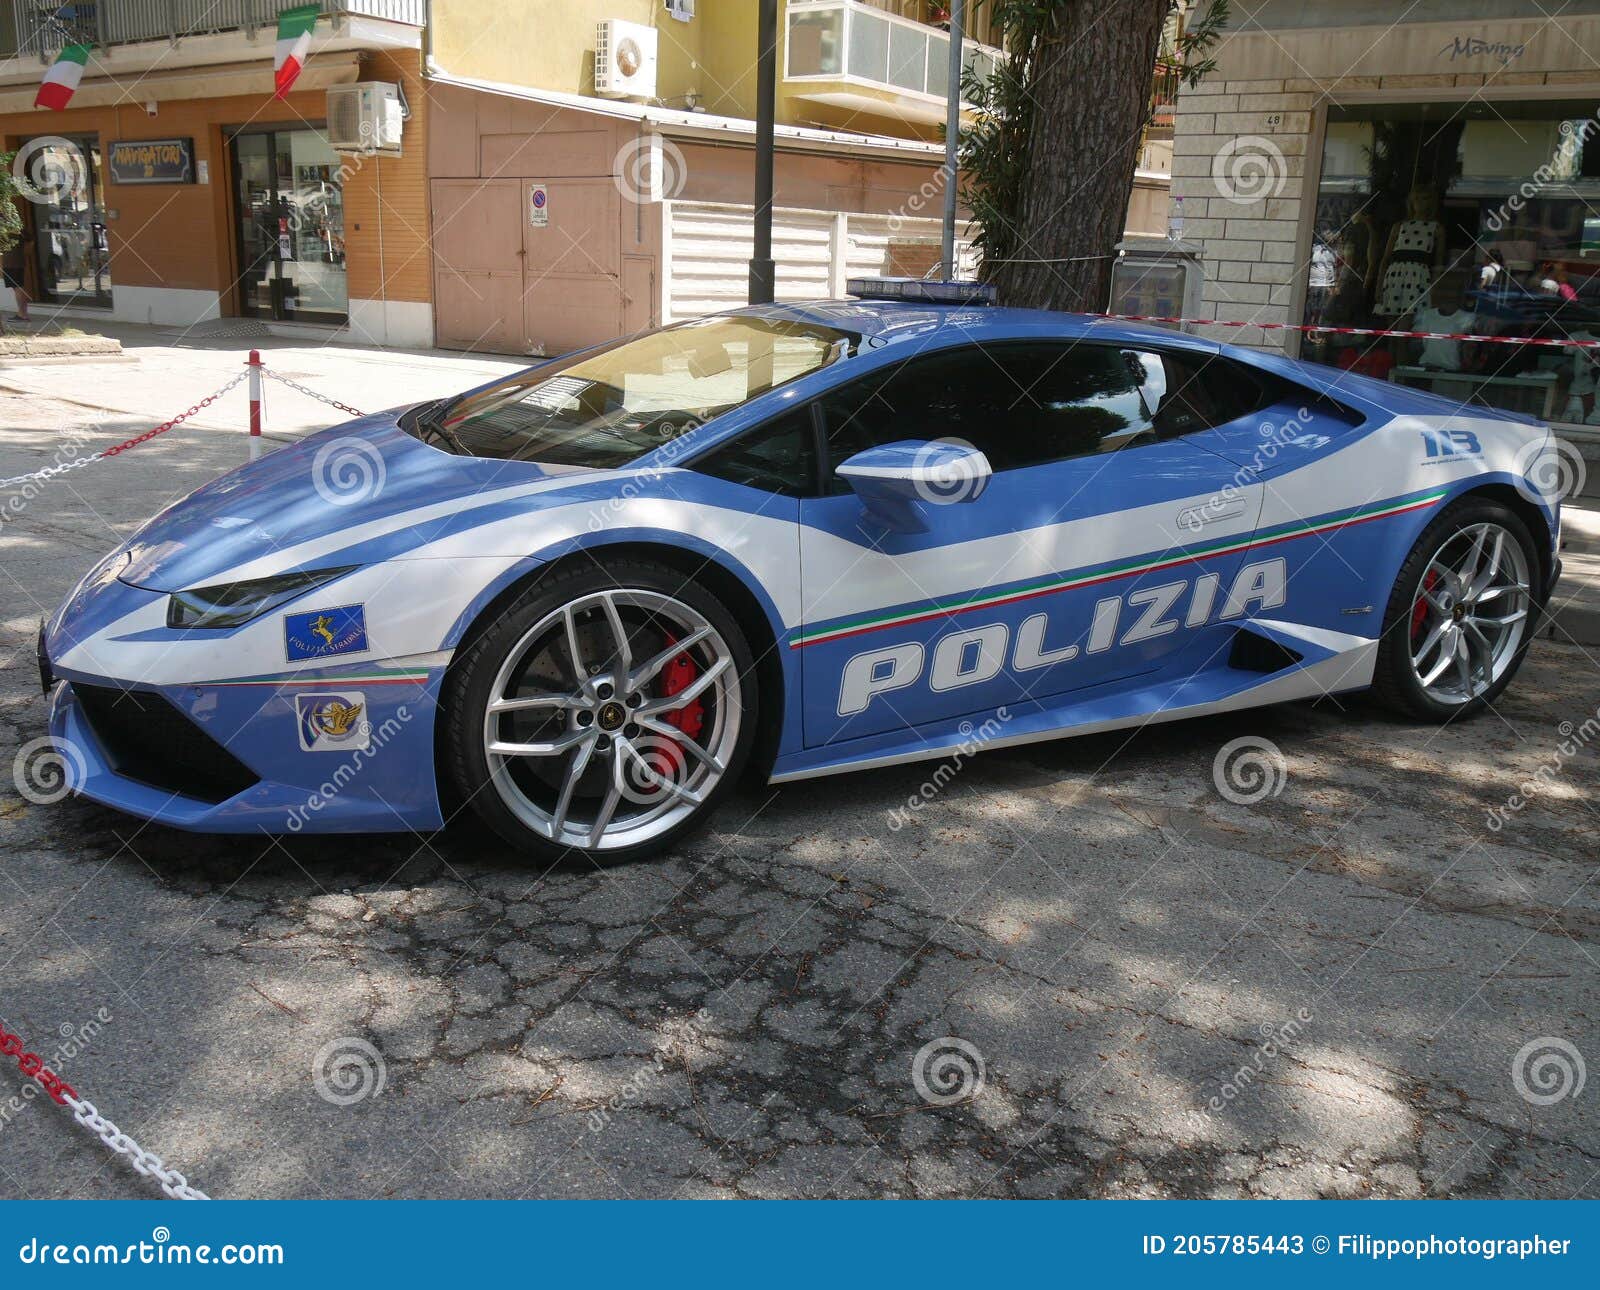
x,y
14,267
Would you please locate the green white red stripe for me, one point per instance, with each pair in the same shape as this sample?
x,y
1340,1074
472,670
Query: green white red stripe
x,y
296,680
1107,573
62,77
294,46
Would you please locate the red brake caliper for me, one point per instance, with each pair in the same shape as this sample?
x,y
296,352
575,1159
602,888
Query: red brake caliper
x,y
1419,611
676,677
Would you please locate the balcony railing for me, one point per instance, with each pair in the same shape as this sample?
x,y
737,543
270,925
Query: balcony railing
x,y
847,40
43,27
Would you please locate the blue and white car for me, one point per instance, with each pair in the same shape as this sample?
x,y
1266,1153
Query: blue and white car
x,y
792,540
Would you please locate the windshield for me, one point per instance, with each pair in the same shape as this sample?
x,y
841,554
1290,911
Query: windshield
x,y
606,409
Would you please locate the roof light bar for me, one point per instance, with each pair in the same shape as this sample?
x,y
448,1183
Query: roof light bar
x,y
925,292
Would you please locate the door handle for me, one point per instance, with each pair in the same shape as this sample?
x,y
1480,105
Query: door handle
x,y
1194,518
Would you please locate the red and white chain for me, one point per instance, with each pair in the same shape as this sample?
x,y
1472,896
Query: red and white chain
x,y
172,1182
311,394
49,472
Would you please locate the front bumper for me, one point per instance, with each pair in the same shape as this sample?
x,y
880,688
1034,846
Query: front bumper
x,y
259,779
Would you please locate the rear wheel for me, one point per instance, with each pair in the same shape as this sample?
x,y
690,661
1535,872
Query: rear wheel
x,y
1461,615
605,713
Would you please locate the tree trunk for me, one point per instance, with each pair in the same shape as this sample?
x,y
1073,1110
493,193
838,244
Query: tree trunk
x,y
1091,103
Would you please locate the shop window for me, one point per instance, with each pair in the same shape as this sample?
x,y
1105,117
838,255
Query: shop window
x,y
1463,218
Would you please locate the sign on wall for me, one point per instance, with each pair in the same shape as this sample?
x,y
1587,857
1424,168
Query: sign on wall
x,y
539,206
151,161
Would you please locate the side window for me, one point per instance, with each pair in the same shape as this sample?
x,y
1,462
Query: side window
x,y
778,457
1022,405
1185,392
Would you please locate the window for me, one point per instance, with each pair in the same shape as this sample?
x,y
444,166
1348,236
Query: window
x,y
1029,404
607,408
779,457
1461,218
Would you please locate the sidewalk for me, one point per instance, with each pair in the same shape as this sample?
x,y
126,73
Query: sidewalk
x,y
1574,614
173,371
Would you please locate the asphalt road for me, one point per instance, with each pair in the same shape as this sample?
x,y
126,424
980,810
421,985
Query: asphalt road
x,y
1133,985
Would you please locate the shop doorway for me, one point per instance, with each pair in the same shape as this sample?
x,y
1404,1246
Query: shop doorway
x,y
288,204
69,221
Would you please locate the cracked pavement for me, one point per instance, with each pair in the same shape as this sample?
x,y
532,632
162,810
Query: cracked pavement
x,y
1331,992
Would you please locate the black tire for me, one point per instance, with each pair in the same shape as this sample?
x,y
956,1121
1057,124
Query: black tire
x,y
1394,681
476,667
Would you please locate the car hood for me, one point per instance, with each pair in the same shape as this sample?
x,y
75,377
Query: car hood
x,y
332,483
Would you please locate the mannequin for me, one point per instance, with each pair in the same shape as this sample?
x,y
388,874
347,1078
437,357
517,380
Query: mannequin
x,y
1413,257
1445,313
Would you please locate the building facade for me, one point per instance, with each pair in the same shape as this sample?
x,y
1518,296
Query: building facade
x,y
1434,170
176,190
565,170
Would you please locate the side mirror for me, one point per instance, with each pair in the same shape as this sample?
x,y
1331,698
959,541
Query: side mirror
x,y
897,481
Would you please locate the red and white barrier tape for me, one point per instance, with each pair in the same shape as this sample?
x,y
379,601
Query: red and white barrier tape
x,y
172,1182
1359,331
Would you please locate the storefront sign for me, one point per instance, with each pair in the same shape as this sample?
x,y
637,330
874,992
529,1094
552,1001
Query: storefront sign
x,y
1478,47
152,161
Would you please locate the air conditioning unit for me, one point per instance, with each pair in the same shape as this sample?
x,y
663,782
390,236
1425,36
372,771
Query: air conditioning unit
x,y
624,59
366,117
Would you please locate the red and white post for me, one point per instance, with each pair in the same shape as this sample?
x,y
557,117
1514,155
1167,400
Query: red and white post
x,y
255,404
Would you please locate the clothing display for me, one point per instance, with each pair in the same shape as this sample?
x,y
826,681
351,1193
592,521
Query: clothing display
x,y
1407,279
1443,354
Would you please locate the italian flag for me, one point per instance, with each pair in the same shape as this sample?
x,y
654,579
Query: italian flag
x,y
294,43
56,91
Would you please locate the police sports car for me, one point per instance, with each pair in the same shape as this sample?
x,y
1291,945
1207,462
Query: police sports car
x,y
801,539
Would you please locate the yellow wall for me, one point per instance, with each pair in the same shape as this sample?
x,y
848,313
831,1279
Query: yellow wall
x,y
549,45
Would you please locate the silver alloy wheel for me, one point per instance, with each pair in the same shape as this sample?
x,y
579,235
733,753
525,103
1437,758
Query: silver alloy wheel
x,y
1470,614
598,762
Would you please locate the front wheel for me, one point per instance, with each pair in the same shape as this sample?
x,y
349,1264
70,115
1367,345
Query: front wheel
x,y
604,713
1461,615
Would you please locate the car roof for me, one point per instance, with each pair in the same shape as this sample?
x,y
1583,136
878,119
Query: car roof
x,y
893,322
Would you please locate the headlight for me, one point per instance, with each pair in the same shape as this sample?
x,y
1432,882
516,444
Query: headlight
x,y
234,603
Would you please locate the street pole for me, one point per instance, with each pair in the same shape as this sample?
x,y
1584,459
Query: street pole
x,y
952,136
763,272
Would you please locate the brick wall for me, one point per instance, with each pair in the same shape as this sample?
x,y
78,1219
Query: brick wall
x,y
1254,250
1244,201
